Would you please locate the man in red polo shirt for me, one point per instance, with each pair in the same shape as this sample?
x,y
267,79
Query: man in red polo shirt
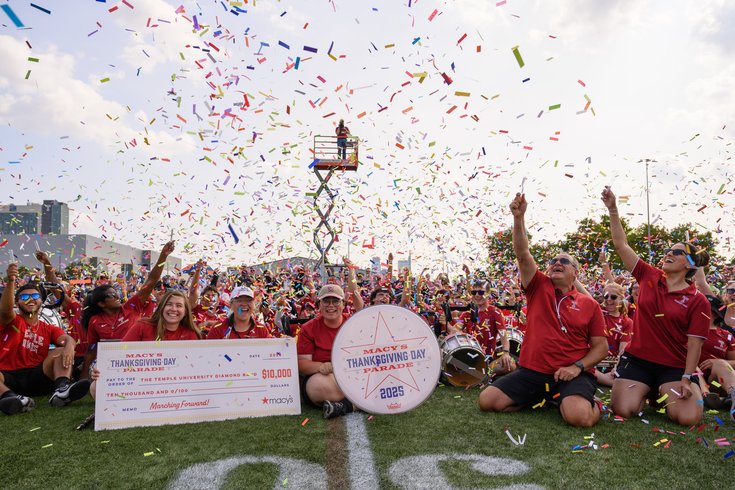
x,y
565,338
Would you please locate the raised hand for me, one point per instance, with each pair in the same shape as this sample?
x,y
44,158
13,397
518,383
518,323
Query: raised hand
x,y
12,273
168,248
608,198
519,205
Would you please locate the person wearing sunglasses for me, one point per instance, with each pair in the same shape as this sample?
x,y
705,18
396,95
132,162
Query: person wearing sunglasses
x,y
487,324
670,325
618,327
28,367
564,339
106,317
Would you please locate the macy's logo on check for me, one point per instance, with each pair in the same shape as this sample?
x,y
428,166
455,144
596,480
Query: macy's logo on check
x,y
277,401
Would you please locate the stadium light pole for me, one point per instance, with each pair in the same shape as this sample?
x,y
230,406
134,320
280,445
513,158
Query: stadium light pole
x,y
648,205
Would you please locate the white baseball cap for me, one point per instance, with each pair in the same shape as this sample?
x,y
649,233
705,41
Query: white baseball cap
x,y
241,291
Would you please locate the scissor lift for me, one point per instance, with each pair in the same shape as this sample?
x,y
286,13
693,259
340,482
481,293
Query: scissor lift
x,y
326,163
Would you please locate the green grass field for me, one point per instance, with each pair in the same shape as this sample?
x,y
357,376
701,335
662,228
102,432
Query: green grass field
x,y
41,449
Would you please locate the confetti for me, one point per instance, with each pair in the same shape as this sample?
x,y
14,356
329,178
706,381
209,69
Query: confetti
x,y
11,15
517,55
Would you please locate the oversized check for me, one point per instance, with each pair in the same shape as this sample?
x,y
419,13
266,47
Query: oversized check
x,y
177,382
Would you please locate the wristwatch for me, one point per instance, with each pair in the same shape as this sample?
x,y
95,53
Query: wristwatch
x,y
580,366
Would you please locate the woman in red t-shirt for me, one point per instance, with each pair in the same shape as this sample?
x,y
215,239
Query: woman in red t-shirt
x,y
241,323
671,324
172,320
106,317
618,327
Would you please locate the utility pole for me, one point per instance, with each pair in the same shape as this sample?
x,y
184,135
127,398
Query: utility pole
x,y
648,206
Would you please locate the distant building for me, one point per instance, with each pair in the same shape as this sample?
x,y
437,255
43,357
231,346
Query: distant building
x,y
54,218
102,255
49,218
20,219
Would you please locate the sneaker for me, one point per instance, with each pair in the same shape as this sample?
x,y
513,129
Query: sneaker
x,y
10,405
70,392
332,409
604,409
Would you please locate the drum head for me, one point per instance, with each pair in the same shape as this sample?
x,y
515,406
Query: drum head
x,y
386,359
464,367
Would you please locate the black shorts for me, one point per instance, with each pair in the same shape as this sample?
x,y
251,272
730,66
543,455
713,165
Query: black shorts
x,y
29,381
304,396
649,373
526,387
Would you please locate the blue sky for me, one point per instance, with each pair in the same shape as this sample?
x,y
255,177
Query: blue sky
x,y
117,117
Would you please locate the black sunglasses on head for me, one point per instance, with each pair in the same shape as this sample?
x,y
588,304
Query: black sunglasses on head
x,y
675,251
561,260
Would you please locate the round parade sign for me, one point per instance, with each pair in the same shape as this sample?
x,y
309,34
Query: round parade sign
x,y
386,359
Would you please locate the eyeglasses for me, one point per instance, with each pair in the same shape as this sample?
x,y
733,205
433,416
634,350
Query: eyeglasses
x,y
478,293
27,296
610,296
561,260
730,291
675,251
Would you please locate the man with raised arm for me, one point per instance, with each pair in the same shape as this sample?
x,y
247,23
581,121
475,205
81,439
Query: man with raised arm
x,y
564,339
27,366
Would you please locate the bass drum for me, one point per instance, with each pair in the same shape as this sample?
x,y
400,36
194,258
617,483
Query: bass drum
x,y
52,317
463,360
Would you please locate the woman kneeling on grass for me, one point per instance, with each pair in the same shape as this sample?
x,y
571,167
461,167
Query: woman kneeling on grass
x,y
618,327
670,325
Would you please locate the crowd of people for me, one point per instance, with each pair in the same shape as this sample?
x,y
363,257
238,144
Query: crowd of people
x,y
656,333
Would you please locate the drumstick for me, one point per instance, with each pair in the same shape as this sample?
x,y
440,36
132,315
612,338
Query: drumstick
x,y
465,368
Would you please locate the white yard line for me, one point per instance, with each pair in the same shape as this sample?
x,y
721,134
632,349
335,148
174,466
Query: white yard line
x,y
363,475
292,474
